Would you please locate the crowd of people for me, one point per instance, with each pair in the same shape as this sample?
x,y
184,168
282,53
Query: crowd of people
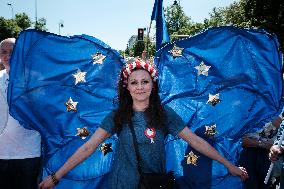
x,y
139,114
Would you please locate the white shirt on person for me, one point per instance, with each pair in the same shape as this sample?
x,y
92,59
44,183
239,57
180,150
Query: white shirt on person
x,y
16,142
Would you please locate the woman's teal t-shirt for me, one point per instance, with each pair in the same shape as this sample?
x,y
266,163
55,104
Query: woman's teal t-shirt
x,y
124,173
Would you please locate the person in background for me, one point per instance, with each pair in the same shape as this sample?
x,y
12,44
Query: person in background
x,y
20,148
254,156
276,155
139,111
1,66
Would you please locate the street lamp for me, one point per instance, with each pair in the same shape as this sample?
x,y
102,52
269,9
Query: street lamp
x,y
10,4
60,25
35,14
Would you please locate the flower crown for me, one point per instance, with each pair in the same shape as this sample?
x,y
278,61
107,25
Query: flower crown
x,y
138,63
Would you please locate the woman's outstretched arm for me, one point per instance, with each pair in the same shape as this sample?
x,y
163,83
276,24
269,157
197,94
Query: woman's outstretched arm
x,y
205,148
80,155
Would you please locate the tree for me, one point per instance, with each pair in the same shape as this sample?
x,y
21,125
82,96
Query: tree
x,y
177,22
266,14
41,24
231,15
234,14
138,48
151,49
12,27
23,21
8,28
128,52
180,24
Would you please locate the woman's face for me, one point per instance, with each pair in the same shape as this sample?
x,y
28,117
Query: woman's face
x,y
140,86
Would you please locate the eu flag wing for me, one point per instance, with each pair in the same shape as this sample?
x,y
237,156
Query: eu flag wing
x,y
158,15
63,87
223,82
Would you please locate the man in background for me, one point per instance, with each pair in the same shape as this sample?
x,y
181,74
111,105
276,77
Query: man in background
x,y
20,148
1,66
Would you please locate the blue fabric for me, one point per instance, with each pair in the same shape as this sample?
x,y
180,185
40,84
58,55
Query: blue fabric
x,y
152,154
162,35
41,82
245,71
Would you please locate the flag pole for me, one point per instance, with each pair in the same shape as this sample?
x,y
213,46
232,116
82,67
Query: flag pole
x,y
146,48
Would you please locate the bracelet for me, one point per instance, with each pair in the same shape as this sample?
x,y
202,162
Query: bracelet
x,y
260,144
54,179
281,115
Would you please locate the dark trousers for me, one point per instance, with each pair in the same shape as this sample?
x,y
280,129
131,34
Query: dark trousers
x,y
256,162
19,173
282,178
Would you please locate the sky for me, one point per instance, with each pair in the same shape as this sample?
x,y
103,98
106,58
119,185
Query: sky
x,y
111,21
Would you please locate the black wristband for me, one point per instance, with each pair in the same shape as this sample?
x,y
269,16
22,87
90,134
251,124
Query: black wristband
x,y
54,179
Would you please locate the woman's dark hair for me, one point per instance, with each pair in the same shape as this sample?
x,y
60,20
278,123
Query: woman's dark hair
x,y
155,114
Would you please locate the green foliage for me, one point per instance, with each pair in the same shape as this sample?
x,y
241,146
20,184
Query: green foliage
x,y
265,14
232,15
8,28
12,27
180,24
138,48
23,21
41,24
235,15
128,52
177,22
151,49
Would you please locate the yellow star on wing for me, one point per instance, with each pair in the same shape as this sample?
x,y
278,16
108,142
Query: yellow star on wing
x,y
213,99
98,58
210,130
176,51
191,158
106,148
71,105
82,132
79,76
202,69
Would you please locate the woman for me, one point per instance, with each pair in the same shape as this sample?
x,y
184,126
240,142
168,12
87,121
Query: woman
x,y
140,107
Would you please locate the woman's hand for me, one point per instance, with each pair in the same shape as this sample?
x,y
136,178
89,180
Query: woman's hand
x,y
274,153
80,155
238,171
47,183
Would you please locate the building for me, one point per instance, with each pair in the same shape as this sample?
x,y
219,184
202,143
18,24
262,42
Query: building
x,y
132,41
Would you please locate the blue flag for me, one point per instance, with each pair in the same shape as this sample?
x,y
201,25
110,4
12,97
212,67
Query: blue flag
x,y
162,35
63,87
224,83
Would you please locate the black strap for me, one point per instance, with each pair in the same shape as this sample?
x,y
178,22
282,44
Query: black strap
x,y
136,147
